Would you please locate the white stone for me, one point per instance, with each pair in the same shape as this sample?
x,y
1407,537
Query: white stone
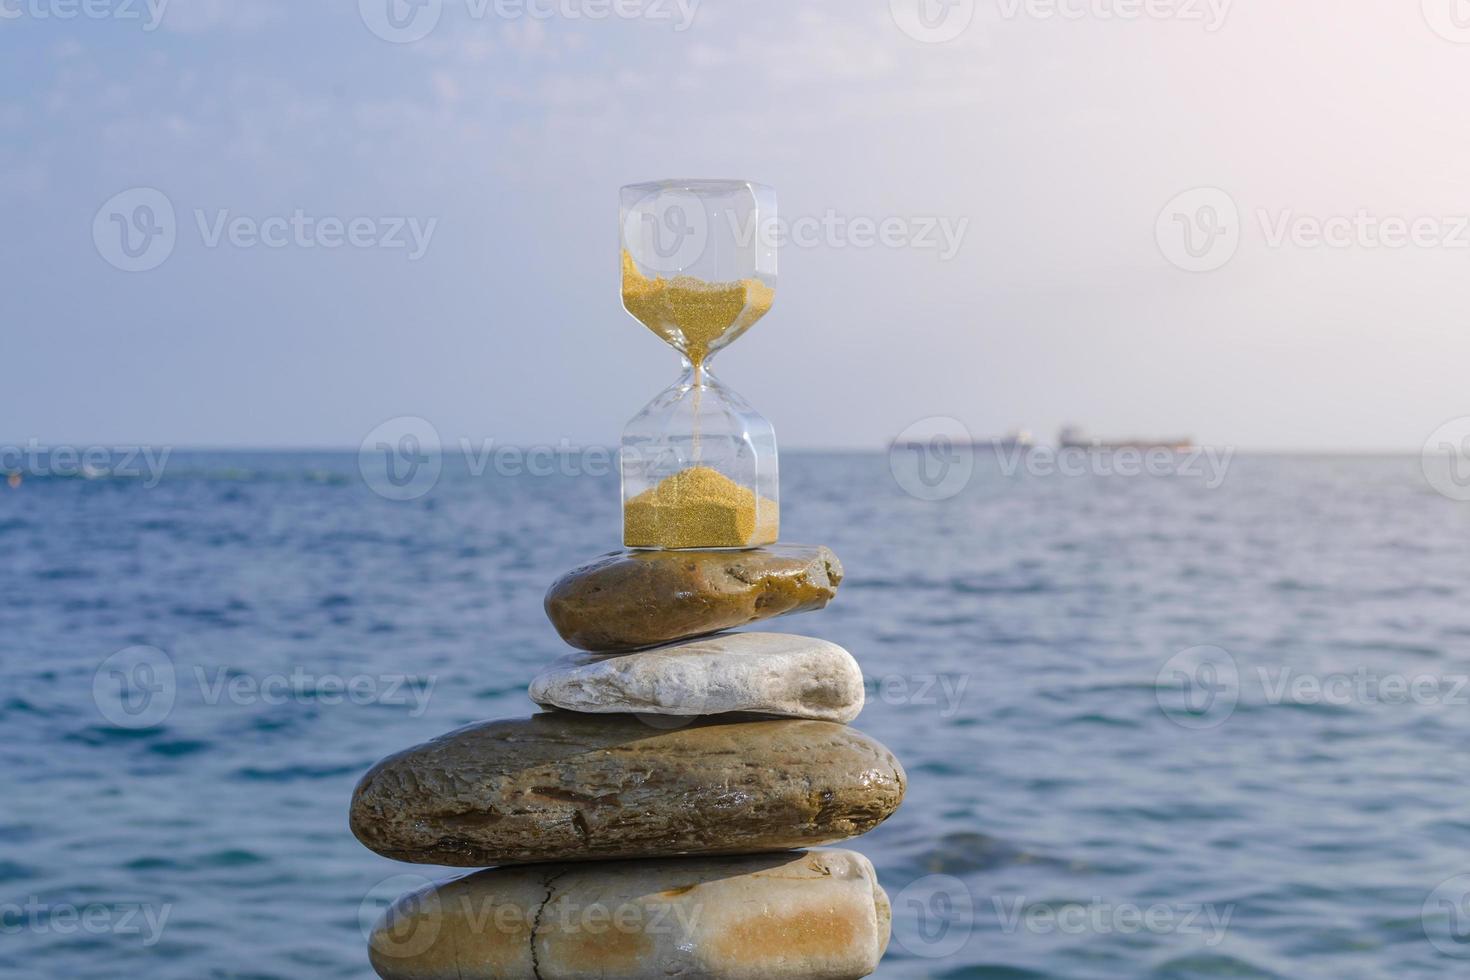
x,y
762,673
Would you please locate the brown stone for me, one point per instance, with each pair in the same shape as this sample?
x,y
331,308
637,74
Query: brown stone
x,y
757,917
573,787
633,599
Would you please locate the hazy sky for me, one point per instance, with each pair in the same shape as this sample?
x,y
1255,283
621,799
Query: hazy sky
x,y
1331,258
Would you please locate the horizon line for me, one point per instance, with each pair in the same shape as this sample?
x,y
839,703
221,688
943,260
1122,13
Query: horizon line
x,y
813,449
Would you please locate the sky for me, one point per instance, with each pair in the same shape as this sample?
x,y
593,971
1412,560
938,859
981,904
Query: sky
x,y
1239,220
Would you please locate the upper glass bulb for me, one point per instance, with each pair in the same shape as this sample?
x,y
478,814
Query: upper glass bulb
x,y
698,260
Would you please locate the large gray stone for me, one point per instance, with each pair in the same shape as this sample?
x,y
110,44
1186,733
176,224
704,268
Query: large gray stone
x,y
765,673
819,914
574,787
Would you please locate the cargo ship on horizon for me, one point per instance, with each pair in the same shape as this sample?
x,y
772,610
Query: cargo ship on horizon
x,y
1073,437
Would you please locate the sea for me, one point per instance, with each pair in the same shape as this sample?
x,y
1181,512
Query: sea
x,y
1166,721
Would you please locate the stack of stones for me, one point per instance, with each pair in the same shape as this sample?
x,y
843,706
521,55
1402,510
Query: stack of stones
x,y
661,805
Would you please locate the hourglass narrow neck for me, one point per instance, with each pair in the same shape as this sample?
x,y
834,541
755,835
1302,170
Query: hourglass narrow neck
x,y
708,392
698,373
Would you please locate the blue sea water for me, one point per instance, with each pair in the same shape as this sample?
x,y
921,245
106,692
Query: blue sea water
x,y
1083,675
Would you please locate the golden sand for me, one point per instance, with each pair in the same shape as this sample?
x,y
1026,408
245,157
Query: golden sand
x,y
699,508
691,314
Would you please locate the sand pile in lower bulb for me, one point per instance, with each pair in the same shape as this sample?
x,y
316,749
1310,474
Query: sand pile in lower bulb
x,y
699,508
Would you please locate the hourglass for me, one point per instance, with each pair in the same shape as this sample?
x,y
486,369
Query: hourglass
x,y
699,269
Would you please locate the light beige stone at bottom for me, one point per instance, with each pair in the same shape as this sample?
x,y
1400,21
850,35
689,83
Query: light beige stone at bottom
x,y
816,914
